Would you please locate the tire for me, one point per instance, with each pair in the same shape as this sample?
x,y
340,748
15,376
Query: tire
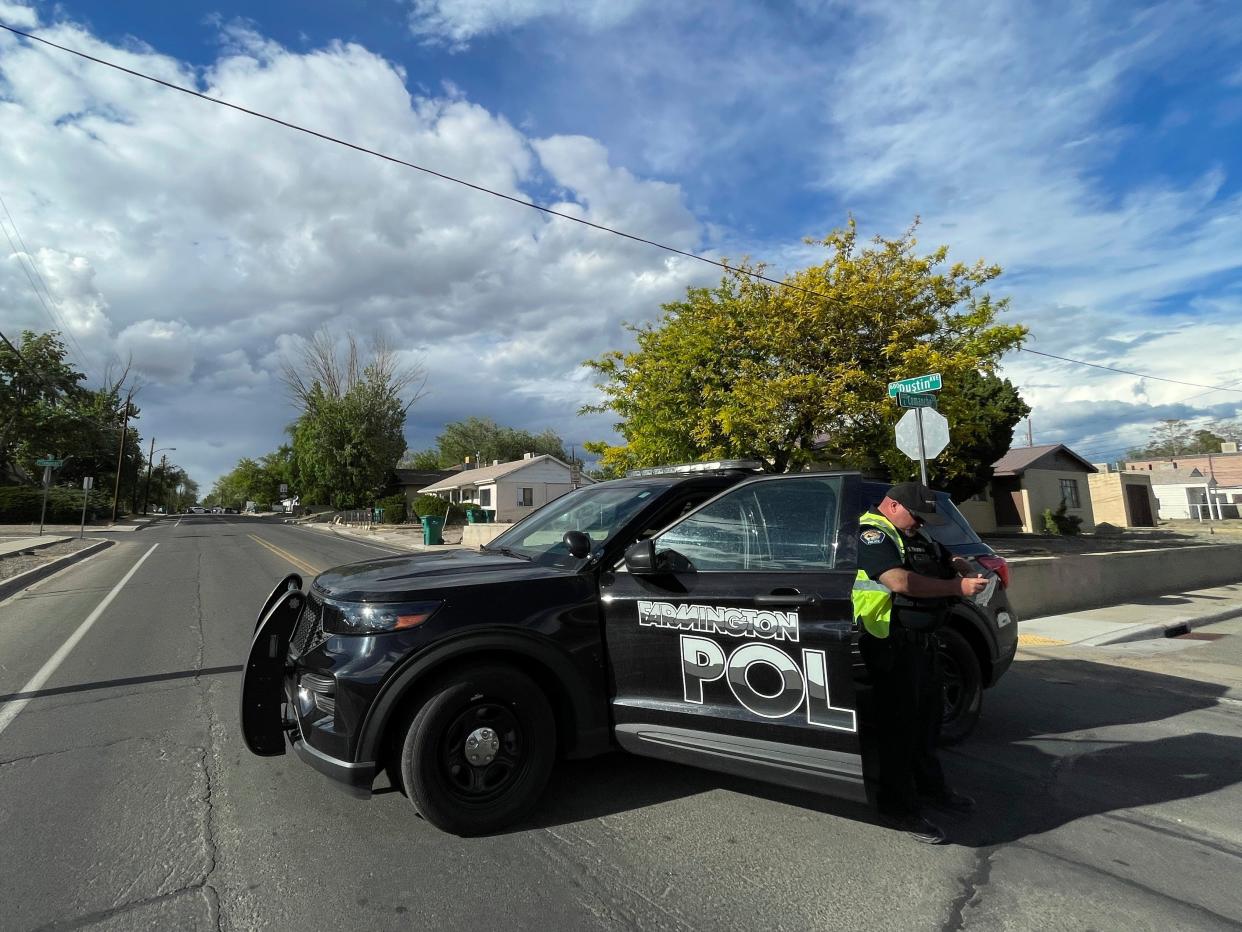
x,y
475,798
963,686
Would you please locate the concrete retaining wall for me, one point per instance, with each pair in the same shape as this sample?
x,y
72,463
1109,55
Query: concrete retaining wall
x,y
1072,582
476,535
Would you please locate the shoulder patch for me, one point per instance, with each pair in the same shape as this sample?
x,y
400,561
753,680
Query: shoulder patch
x,y
873,536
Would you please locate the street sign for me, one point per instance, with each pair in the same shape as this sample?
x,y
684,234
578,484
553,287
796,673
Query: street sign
x,y
284,490
935,434
88,483
915,400
49,461
923,383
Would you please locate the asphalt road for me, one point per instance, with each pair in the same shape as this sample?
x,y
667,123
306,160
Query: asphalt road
x,y
1107,778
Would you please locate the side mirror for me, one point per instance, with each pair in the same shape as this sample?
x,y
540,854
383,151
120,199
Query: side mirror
x,y
640,557
579,544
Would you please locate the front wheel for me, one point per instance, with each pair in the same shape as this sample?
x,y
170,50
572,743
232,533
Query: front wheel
x,y
479,752
963,686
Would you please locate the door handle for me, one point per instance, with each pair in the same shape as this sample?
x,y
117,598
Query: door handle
x,y
786,598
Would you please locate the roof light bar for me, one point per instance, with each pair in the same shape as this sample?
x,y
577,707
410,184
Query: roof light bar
x,y
682,469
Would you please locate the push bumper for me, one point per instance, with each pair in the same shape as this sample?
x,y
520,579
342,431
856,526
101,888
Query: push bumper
x,y
354,778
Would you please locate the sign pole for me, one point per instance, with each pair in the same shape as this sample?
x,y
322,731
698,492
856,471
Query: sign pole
x,y
47,481
918,413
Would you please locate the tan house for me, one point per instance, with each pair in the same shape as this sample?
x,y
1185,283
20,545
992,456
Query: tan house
x,y
1123,499
512,489
1025,482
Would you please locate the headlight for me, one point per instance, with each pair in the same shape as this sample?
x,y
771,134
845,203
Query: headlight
x,y
374,617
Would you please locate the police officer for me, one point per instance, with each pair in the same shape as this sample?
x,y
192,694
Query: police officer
x,y
901,593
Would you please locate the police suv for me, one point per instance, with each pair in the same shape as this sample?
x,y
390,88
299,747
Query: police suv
x,y
699,614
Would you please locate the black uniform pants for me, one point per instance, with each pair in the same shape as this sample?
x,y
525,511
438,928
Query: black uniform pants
x,y
907,689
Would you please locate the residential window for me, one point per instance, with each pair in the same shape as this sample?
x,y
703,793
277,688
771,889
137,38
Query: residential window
x,y
1069,493
526,497
485,497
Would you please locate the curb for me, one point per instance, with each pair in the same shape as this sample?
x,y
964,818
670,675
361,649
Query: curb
x,y
21,581
1166,629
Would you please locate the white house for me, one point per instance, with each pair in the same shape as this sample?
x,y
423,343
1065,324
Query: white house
x,y
513,489
1184,493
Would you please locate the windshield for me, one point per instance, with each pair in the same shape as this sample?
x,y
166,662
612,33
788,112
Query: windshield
x,y
598,511
956,532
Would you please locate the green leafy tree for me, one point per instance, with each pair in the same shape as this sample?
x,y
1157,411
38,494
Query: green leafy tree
x,y
350,434
1175,437
422,459
484,439
792,374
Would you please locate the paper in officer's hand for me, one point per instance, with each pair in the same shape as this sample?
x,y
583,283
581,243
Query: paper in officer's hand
x,y
984,596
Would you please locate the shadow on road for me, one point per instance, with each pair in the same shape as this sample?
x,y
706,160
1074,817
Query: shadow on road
x,y
1034,764
117,683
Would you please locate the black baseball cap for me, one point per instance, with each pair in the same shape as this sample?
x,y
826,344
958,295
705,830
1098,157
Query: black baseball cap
x,y
919,500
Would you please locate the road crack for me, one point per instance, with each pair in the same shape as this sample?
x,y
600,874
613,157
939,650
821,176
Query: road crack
x,y
972,889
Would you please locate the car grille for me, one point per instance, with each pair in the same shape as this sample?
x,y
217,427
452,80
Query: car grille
x,y
309,630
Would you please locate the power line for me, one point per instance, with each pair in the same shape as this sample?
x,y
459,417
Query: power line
x,y
57,320
524,203
1154,378
429,171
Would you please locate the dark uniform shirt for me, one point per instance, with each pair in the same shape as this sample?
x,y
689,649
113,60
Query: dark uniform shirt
x,y
877,555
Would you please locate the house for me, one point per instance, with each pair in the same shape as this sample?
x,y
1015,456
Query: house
x,y
413,481
1026,481
1183,492
1123,499
1223,471
513,489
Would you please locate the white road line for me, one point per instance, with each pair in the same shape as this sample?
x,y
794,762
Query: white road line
x,y
10,711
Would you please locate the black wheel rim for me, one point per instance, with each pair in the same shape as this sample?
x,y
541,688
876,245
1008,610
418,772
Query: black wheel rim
x,y
954,686
481,784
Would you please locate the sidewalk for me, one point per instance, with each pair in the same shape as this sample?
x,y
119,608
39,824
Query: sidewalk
x,y
10,545
397,536
1139,620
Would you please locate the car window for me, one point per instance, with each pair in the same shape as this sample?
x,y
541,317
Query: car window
x,y
957,530
599,511
785,524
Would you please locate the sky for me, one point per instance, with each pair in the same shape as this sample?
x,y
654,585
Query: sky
x,y
1092,149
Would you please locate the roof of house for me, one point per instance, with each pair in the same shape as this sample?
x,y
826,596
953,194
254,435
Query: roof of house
x,y
1019,459
421,477
1226,467
488,474
1182,475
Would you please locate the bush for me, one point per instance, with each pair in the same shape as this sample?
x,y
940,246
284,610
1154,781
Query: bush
x,y
1058,522
430,505
394,508
20,504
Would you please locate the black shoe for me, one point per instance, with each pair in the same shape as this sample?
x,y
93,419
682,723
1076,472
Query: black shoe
x,y
918,828
949,801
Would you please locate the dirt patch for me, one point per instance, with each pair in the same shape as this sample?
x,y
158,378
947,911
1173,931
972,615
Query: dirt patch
x,y
17,563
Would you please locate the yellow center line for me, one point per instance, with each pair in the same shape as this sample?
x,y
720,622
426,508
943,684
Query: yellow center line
x,y
284,554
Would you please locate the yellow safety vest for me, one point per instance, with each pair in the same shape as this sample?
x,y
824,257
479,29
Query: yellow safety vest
x,y
873,601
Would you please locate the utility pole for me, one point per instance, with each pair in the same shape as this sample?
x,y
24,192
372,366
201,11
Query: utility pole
x,y
120,454
1030,439
164,479
146,495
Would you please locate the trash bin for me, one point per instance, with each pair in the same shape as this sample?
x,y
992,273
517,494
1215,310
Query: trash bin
x,y
432,526
474,516
489,515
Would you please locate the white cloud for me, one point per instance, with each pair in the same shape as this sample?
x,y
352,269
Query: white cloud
x,y
460,20
201,240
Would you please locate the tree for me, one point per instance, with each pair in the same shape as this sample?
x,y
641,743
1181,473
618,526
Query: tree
x,y
426,460
46,410
254,480
485,440
1175,437
350,433
345,448
792,374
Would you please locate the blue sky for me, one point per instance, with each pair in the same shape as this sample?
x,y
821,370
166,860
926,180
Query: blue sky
x,y
1092,149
